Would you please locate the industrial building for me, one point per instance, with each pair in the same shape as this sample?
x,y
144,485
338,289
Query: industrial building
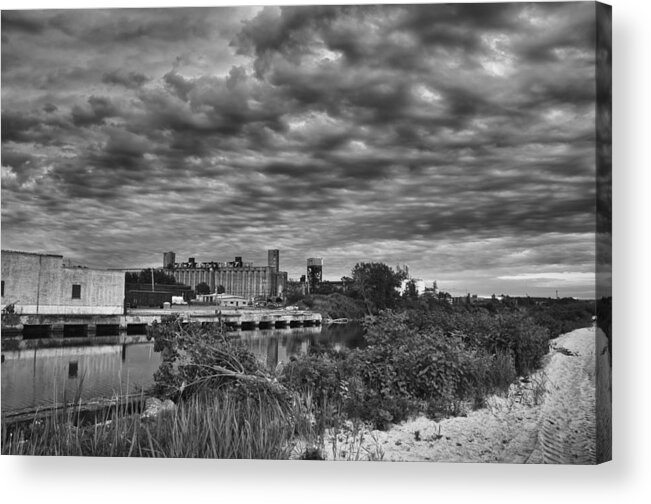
x,y
43,284
169,258
314,272
238,278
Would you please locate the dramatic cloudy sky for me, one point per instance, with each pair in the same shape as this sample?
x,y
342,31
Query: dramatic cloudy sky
x,y
456,139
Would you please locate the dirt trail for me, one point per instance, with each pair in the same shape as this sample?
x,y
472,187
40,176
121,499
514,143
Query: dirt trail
x,y
548,419
568,416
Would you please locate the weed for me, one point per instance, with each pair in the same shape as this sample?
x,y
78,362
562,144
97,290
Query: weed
x,y
206,426
312,453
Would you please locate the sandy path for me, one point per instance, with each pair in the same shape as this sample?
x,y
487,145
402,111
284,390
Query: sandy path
x,y
568,416
549,419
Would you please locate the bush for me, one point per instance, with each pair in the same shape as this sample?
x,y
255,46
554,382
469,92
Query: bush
x,y
317,373
563,315
433,360
411,363
336,305
202,288
524,340
388,380
490,374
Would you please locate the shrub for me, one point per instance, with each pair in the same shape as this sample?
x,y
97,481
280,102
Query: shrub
x,y
337,305
490,374
435,359
316,373
526,341
563,315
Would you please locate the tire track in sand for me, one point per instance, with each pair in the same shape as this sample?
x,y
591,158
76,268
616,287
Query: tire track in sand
x,y
568,416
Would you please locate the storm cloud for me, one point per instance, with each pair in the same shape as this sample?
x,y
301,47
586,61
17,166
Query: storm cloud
x,y
458,139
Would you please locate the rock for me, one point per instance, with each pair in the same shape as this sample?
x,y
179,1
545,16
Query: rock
x,y
154,407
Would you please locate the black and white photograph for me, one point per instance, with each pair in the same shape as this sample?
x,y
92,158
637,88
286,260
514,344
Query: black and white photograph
x,y
344,233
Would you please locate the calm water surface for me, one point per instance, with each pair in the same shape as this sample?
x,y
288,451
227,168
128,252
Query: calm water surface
x,y
33,378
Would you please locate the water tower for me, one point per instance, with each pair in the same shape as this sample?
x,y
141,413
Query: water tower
x,y
314,272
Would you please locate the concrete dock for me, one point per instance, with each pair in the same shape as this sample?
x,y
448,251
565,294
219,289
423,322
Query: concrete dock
x,y
32,331
251,318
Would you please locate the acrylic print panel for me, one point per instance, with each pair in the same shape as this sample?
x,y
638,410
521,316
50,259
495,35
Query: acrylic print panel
x,y
310,232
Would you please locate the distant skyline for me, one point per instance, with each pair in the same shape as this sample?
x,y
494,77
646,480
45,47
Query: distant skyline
x,y
456,139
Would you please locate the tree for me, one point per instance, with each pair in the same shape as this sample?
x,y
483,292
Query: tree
x,y
202,288
221,289
377,284
411,292
446,297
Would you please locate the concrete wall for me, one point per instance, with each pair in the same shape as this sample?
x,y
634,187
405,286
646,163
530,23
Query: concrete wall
x,y
30,279
194,276
245,282
101,291
40,284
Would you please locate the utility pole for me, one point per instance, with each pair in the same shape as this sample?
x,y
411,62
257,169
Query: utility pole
x,y
152,279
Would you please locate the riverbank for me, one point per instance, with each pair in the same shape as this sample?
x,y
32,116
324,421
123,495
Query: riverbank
x,y
547,418
112,365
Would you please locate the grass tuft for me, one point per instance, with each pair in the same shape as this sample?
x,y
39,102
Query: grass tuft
x,y
205,426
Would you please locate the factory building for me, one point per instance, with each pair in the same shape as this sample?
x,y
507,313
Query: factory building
x,y
43,284
238,278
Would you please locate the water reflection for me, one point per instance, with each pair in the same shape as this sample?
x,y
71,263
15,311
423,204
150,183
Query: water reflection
x,y
33,378
273,346
39,377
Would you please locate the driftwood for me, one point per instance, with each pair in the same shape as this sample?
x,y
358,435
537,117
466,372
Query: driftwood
x,y
241,375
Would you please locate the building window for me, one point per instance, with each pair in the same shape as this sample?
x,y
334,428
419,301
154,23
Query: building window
x,y
3,287
76,291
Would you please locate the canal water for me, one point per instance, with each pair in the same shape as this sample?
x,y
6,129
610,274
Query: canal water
x,y
33,378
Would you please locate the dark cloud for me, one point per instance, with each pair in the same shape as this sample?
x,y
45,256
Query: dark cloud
x,y
127,79
16,126
30,22
456,138
98,109
178,85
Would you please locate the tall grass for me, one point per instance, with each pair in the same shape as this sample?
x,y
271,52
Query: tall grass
x,y
215,426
